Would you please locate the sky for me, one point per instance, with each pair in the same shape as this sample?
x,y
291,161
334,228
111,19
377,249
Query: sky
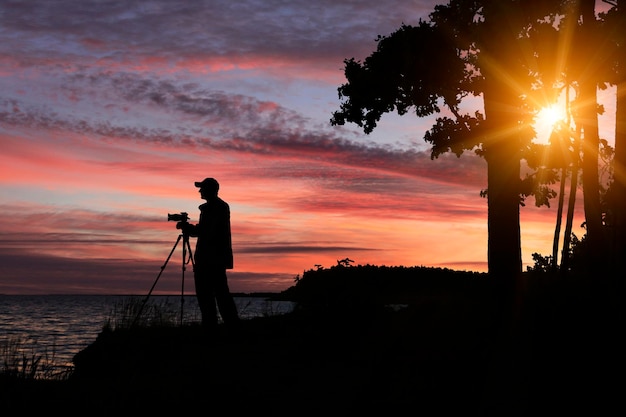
x,y
109,111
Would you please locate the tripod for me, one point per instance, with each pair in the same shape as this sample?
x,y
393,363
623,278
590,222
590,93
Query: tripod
x,y
186,248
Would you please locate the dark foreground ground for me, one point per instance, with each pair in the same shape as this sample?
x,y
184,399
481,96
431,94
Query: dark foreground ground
x,y
440,355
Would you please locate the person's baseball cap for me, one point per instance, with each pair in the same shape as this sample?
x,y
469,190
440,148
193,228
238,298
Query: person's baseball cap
x,y
209,183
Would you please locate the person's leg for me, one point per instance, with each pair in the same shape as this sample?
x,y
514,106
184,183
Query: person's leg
x,y
206,297
225,301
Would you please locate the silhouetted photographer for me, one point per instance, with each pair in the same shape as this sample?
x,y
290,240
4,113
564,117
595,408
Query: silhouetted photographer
x,y
213,256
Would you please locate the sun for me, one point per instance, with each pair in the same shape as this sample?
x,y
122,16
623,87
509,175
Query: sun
x,y
546,119
551,114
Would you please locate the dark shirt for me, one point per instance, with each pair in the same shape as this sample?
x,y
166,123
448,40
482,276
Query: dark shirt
x,y
214,244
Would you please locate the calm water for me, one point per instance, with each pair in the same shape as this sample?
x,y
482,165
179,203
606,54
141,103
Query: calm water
x,y
62,325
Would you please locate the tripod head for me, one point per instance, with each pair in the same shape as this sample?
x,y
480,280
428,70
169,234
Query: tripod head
x,y
182,220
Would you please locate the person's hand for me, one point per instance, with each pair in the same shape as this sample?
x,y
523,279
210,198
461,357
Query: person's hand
x,y
181,225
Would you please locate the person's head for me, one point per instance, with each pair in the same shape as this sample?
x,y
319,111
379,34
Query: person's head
x,y
208,188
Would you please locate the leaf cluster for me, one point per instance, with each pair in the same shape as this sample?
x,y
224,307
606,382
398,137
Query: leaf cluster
x,y
414,67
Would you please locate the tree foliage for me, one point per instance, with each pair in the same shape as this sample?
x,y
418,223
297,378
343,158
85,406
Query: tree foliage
x,y
415,67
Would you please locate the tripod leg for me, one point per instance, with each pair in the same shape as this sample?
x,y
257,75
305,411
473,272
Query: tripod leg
x,y
190,252
182,280
186,247
157,279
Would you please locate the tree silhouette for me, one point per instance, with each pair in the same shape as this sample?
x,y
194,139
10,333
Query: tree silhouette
x,y
587,72
595,61
467,48
614,23
511,53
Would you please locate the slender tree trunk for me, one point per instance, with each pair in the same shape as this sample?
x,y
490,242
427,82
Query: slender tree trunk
x,y
590,178
588,112
559,218
565,157
571,204
569,161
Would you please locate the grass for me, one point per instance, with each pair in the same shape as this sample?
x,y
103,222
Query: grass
x,y
135,312
19,360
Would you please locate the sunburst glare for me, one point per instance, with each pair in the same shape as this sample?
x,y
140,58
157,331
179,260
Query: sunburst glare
x,y
546,119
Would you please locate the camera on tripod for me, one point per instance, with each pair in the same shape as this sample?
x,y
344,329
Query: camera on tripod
x,y
181,220
178,217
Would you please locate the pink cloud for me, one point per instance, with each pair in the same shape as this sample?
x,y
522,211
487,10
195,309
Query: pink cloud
x,y
106,122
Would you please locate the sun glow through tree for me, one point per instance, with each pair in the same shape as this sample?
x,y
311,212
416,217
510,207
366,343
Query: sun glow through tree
x,y
546,119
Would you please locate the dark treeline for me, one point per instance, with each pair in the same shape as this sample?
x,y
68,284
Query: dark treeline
x,y
348,287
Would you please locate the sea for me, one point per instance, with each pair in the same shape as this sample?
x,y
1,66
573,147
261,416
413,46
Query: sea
x,y
52,329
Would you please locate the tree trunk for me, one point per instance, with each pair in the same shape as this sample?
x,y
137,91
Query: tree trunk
x,y
619,196
567,234
502,152
590,178
559,216
499,65
504,246
588,112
